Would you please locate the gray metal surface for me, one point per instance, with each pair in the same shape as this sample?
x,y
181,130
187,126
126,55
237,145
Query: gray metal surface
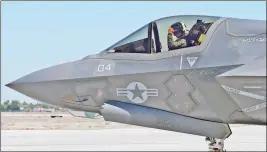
x,y
154,118
207,82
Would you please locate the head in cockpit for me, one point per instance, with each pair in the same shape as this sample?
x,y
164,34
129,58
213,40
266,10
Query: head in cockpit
x,y
179,29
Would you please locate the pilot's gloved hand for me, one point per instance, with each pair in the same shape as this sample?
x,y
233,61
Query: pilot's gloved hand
x,y
170,30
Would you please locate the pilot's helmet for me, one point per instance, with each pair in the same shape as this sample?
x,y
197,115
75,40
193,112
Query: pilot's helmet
x,y
179,27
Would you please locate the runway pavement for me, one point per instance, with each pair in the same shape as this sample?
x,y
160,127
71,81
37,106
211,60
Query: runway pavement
x,y
244,138
43,121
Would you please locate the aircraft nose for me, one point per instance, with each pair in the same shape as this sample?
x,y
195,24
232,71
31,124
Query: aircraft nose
x,y
12,85
52,84
42,91
43,85
9,85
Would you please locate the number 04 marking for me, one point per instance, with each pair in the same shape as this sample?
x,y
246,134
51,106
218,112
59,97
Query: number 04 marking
x,y
103,67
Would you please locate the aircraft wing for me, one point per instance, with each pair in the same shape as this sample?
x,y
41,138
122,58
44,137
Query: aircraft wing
x,y
246,85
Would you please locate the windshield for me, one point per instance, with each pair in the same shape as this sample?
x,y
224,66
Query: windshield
x,y
165,34
135,42
178,32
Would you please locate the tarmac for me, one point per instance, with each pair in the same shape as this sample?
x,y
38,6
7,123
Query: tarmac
x,y
118,137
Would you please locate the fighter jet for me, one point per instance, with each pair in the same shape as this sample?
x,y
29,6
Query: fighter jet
x,y
191,74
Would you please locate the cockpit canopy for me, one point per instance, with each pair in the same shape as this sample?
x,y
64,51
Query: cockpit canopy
x,y
166,34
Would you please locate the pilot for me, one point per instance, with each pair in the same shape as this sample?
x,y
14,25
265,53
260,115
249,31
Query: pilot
x,y
197,33
180,31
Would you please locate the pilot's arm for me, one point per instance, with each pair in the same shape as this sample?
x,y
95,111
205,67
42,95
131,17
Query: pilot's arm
x,y
181,43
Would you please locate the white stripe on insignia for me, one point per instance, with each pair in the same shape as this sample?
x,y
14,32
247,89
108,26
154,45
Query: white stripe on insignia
x,y
137,92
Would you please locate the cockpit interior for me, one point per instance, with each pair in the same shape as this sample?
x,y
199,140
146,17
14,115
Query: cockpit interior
x,y
165,34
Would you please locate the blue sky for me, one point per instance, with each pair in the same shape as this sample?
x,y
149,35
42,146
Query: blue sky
x,y
36,35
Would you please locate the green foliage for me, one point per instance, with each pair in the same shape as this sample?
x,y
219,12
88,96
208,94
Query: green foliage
x,y
6,102
3,107
15,105
15,102
24,103
45,106
31,106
